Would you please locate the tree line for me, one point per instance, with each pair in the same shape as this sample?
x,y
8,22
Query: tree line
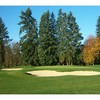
x,y
52,42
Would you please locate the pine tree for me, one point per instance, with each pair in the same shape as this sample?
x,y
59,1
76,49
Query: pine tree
x,y
47,39
4,38
98,27
29,41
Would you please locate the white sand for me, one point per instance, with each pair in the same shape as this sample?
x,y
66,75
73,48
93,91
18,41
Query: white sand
x,y
48,73
11,69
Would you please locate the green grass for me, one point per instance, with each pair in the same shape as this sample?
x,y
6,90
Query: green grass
x,y
18,82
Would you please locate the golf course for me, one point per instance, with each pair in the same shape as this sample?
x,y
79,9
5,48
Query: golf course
x,y
19,82
49,50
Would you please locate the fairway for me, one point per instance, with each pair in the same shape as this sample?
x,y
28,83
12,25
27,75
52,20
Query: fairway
x,y
18,82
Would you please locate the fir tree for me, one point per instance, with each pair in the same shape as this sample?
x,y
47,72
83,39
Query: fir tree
x,y
4,38
69,37
28,41
47,39
75,37
98,35
62,30
98,27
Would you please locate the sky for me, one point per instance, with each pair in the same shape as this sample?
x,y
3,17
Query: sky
x,y
86,17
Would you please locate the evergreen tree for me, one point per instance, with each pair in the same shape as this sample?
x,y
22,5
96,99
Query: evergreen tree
x,y
98,27
47,40
63,39
69,38
43,35
98,35
59,28
4,38
28,41
75,37
53,40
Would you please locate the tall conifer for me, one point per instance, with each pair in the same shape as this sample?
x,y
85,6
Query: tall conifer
x,y
98,27
28,41
47,39
4,38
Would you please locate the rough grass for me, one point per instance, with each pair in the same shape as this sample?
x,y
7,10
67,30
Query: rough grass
x,y
18,82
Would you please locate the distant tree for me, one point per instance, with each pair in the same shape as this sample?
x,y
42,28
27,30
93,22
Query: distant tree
x,y
79,56
47,39
28,41
8,56
17,58
4,38
98,27
12,55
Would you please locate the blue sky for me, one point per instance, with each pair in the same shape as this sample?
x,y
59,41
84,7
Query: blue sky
x,y
86,17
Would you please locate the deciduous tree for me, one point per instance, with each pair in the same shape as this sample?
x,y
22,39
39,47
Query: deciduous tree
x,y
88,51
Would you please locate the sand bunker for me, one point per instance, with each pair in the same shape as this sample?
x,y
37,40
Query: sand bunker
x,y
49,73
10,69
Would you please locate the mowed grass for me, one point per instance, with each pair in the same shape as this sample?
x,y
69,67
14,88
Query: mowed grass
x,y
18,82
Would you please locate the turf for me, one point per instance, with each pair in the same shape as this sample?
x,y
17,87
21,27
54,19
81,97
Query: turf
x,y
18,82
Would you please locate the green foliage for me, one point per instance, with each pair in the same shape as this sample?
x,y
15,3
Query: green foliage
x,y
47,40
28,41
69,38
59,39
12,55
74,36
8,56
61,28
4,38
56,42
98,27
17,58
